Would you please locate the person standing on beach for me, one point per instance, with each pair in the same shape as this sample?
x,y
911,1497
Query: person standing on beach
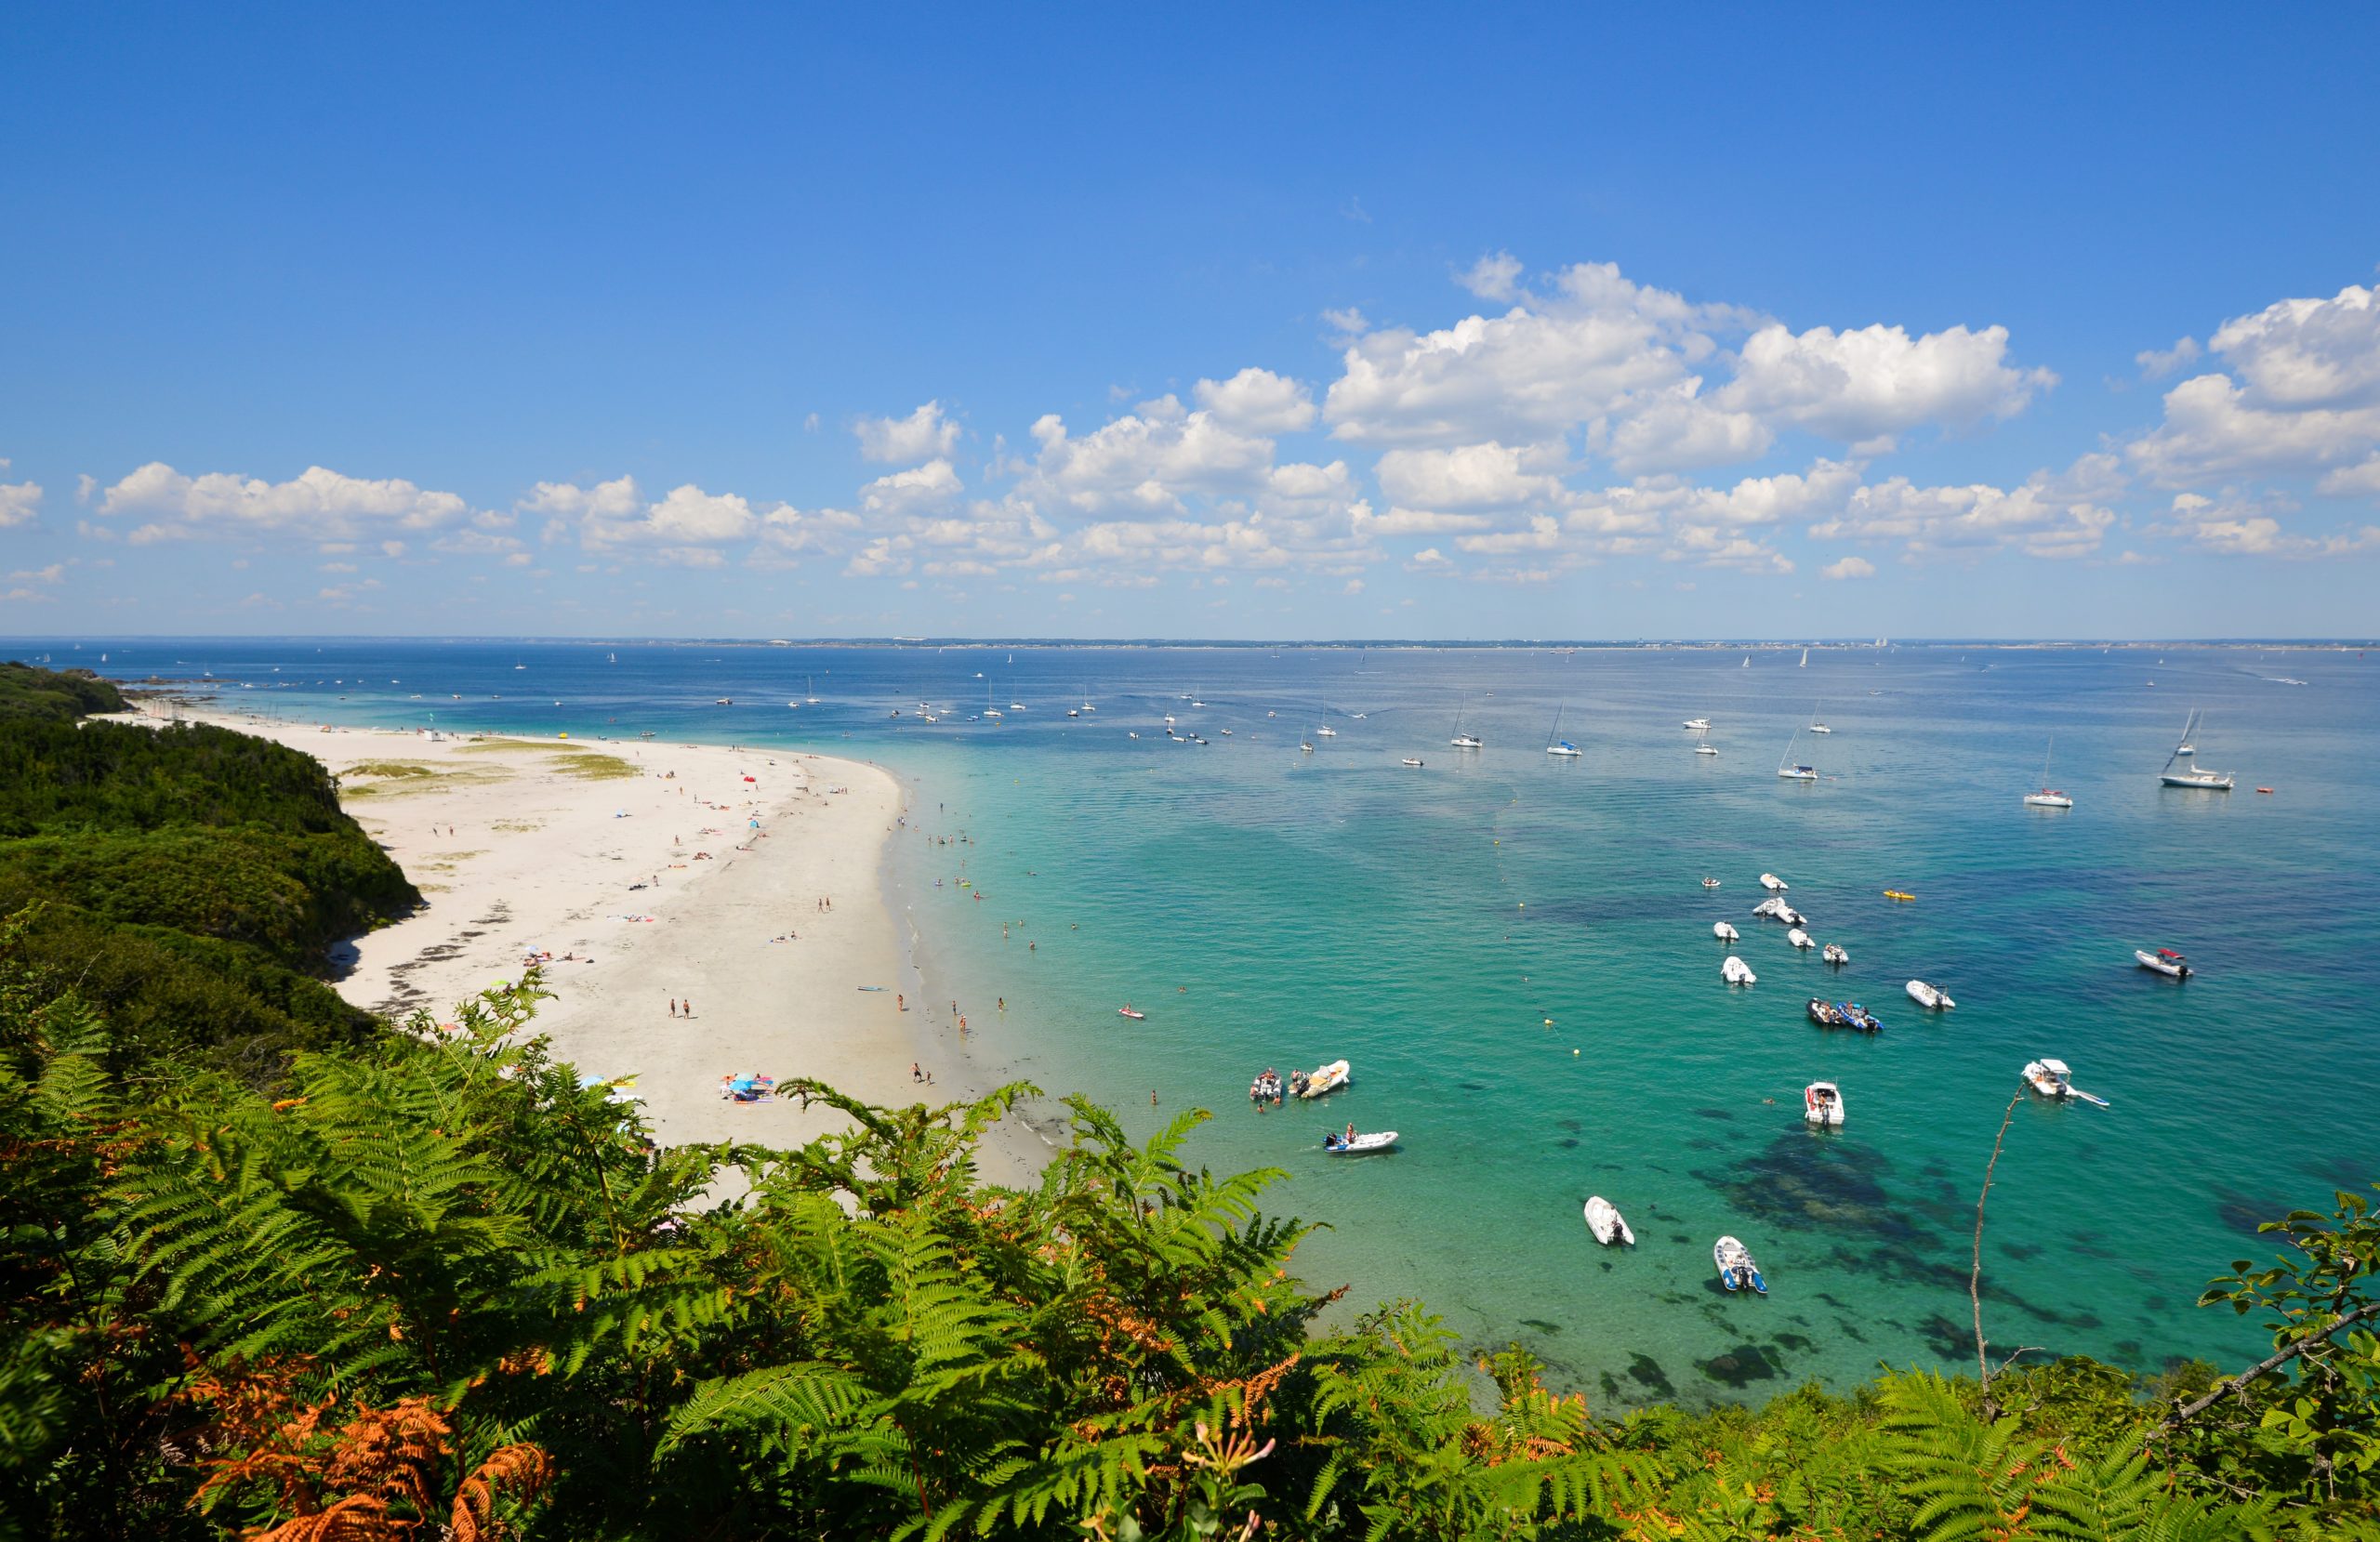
x,y
673,1007
685,1009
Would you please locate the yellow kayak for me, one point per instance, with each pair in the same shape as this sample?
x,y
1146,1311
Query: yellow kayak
x,y
1897,894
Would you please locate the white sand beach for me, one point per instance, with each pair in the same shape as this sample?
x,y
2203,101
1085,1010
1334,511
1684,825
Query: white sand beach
x,y
654,873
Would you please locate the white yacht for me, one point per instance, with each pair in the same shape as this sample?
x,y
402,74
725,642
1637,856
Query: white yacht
x,y
2182,768
1700,725
1822,1104
1321,732
1412,760
1792,770
2049,796
1556,744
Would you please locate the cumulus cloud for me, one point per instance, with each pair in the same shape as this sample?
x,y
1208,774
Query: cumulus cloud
x,y
2301,395
1494,277
2242,526
932,485
1471,477
2157,362
923,435
2050,514
318,505
1256,402
686,528
1677,427
1877,381
1849,567
20,501
2309,352
1144,462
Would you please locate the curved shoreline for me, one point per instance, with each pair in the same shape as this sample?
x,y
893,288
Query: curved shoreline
x,y
653,871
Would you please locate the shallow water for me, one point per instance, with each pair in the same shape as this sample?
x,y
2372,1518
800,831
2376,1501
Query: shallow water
x,y
1266,907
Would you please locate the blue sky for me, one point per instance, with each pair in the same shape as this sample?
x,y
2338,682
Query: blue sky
x,y
1091,321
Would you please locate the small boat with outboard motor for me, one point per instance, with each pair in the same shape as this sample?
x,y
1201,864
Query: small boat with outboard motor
x,y
1412,760
1832,953
1314,1083
1775,909
1932,998
1800,939
1774,884
1723,931
2164,961
2053,1080
1266,1088
1822,1104
1709,883
1734,971
1605,1221
1128,1009
1737,1270
1360,1143
1842,1014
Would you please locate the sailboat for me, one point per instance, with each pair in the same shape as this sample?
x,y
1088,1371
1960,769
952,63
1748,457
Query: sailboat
x,y
2182,768
1806,660
808,690
1792,769
1703,745
1086,702
1557,745
2049,796
1747,661
1463,740
1818,723
989,710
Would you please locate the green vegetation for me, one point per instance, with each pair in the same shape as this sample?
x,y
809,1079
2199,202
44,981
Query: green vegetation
x,y
585,764
59,695
423,1284
191,880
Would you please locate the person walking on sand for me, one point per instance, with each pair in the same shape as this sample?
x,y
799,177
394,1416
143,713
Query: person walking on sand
x,y
900,1001
915,1075
673,1007
685,1009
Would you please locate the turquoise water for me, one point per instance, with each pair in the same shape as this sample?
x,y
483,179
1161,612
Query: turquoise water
x,y
1270,907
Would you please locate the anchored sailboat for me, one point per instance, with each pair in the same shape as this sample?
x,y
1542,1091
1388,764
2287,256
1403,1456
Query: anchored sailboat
x,y
1792,769
2182,768
2049,796
1463,740
1557,745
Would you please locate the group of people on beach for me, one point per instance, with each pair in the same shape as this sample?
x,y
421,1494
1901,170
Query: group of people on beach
x,y
680,1008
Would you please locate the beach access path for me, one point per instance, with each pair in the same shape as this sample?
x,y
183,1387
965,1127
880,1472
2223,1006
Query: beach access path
x,y
652,873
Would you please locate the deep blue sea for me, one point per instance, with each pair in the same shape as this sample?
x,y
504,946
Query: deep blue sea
x,y
1516,952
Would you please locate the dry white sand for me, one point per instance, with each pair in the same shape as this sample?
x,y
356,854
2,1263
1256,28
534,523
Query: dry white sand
x,y
654,873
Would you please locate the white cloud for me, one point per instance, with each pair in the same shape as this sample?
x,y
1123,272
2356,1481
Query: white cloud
x,y
20,501
2353,480
2306,353
1494,277
1878,380
932,485
2214,429
2243,526
1348,320
1142,463
1471,477
54,573
923,435
1417,522
1849,567
1677,427
2050,514
1258,402
682,528
318,505
2157,362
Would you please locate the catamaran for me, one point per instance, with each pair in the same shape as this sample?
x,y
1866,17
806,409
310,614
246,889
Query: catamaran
x,y
1557,745
2049,796
2182,768
1792,770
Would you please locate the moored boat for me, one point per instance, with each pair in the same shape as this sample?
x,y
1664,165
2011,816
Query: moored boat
x,y
1128,1009
1842,1014
1737,1270
1328,1078
2165,961
2182,768
1822,1104
1832,953
1734,971
1800,939
1930,997
1605,1221
1362,1143
2052,1079
1774,884
1723,931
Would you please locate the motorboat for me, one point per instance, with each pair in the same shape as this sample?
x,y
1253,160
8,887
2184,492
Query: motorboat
x,y
1709,883
1800,939
1723,931
2049,796
1326,733
2165,961
1412,760
1363,1143
1775,909
1734,971
1822,1104
2055,1081
1774,884
1605,1221
1314,1083
2182,768
1932,998
1128,1009
1737,1270
1769,906
1265,1088
1700,725
1842,1014
1832,953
